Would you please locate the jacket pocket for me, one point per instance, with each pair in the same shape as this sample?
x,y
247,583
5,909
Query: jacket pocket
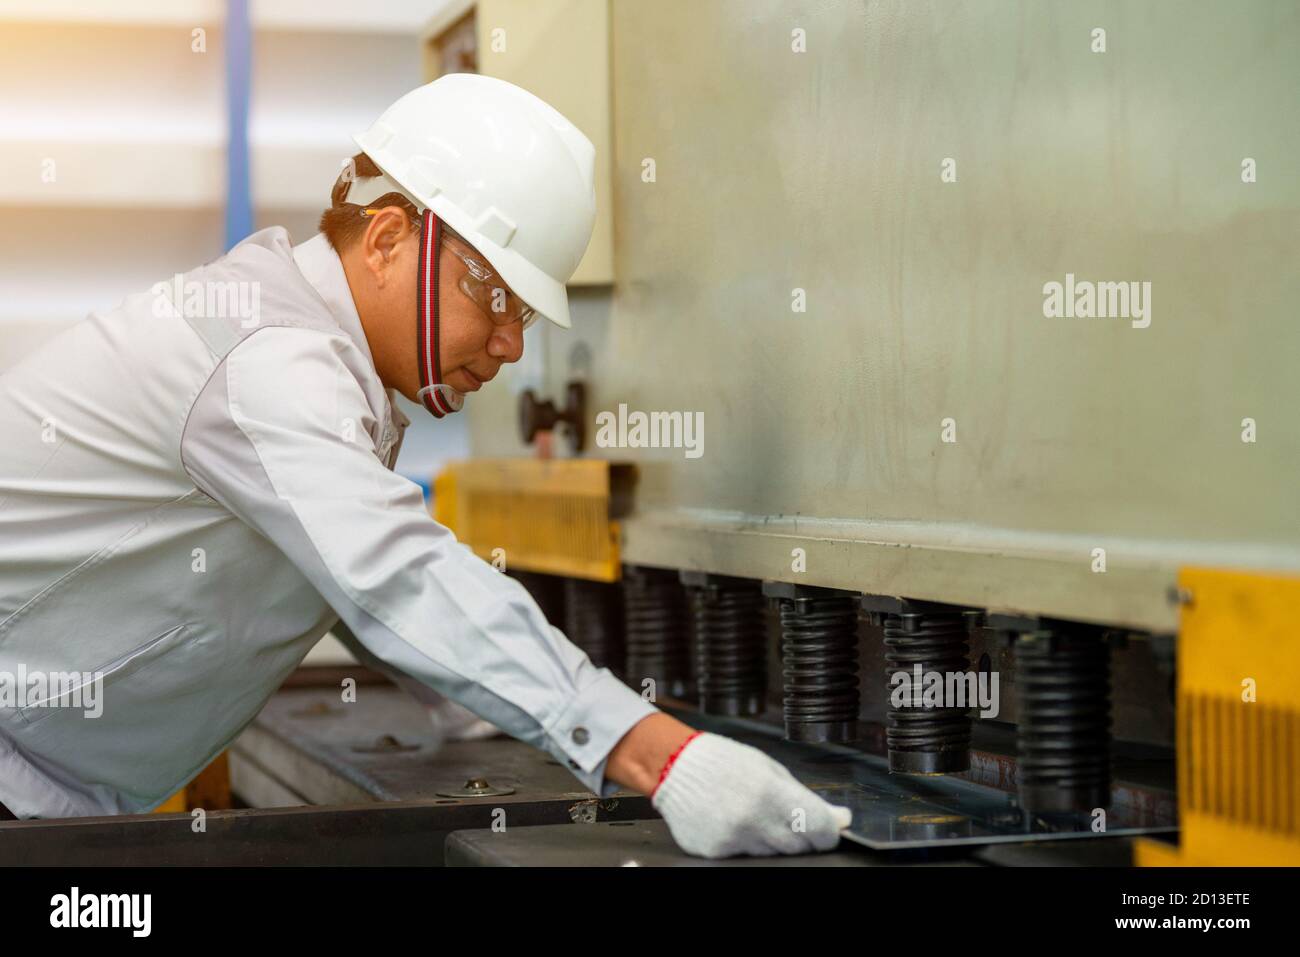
x,y
66,580
121,667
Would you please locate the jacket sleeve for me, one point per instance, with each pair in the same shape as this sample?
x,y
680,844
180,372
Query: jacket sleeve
x,y
281,436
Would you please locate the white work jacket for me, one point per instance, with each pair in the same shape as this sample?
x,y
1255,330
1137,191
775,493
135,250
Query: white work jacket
x,y
188,501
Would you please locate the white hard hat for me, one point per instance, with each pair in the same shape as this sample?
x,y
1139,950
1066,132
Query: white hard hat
x,y
502,168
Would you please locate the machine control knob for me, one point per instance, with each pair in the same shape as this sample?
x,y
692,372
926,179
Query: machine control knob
x,y
538,415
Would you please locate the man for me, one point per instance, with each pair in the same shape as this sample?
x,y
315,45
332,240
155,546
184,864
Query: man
x,y
197,484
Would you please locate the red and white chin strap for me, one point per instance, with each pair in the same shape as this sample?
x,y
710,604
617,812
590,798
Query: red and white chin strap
x,y
438,397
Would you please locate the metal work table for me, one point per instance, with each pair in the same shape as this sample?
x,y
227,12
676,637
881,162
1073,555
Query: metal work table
x,y
307,747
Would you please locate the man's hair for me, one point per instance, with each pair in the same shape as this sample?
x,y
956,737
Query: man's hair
x,y
344,223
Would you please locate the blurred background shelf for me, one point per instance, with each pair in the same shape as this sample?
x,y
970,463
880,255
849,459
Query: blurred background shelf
x,y
153,173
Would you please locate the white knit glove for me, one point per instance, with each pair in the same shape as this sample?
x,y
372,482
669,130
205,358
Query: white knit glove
x,y
722,798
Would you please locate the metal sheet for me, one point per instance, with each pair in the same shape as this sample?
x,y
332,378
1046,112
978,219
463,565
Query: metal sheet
x,y
902,811
890,816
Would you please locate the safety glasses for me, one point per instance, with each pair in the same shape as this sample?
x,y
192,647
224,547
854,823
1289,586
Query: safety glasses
x,y
485,288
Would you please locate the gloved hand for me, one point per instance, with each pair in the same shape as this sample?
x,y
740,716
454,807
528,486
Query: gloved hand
x,y
722,798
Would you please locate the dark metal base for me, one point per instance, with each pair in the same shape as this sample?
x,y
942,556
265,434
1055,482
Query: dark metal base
x,y
733,707
401,833
1054,800
929,762
827,732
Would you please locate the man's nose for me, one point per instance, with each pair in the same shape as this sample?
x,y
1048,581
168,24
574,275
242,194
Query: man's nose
x,y
507,342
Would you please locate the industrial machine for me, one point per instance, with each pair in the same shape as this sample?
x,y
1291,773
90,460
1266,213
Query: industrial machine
x,y
844,433
915,340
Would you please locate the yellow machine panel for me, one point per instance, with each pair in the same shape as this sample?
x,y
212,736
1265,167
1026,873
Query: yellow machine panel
x,y
1238,722
538,515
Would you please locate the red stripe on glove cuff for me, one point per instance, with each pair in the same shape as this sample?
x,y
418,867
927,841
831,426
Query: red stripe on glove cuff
x,y
673,757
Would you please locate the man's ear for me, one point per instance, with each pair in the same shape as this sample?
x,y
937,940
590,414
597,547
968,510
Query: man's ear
x,y
388,227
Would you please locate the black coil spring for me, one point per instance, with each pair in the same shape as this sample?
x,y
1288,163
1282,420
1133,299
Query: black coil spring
x,y
730,647
654,614
819,663
927,740
1064,721
593,620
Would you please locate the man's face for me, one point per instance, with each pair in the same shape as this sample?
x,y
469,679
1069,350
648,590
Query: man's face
x,y
474,340
383,272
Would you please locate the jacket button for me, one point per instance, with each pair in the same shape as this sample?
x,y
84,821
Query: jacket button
x,y
580,736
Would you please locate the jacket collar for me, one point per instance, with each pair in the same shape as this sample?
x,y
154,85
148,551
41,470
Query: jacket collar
x,y
320,265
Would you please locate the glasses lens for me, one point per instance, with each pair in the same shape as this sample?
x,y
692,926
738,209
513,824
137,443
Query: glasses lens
x,y
486,289
499,304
